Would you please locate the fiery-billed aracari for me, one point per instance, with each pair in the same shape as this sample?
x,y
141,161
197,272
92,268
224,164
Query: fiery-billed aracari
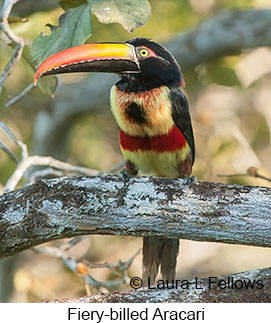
x,y
152,113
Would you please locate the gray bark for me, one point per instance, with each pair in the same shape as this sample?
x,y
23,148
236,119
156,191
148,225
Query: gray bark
x,y
200,293
144,206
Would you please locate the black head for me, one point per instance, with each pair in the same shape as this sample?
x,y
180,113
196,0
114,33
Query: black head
x,y
157,66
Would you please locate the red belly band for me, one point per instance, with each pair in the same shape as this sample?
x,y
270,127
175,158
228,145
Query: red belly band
x,y
174,140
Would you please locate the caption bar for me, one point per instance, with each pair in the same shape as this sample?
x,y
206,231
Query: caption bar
x,y
134,312
128,314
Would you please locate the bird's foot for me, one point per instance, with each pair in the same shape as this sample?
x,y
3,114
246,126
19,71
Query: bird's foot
x,y
124,175
189,180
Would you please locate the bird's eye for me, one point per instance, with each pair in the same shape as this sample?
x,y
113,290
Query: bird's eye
x,y
143,52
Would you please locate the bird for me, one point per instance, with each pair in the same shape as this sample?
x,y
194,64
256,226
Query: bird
x,y
152,113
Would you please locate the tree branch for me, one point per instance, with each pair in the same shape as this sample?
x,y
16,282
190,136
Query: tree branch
x,y
118,270
20,95
145,206
252,171
29,161
192,294
224,34
55,167
19,43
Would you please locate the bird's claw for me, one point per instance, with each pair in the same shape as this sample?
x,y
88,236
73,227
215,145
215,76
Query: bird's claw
x,y
124,175
189,180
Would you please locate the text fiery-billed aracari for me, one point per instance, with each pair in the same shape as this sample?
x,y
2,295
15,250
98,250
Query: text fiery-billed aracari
x,y
152,113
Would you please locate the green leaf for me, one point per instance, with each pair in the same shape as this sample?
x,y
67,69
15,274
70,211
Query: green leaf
x,y
223,75
46,85
15,19
73,29
3,101
68,4
129,13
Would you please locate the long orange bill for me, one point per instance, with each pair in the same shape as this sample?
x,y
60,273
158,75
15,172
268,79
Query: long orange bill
x,y
99,57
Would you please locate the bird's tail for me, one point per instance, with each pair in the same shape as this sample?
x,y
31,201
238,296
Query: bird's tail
x,y
159,253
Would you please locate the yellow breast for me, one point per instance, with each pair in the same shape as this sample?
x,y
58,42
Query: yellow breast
x,y
156,104
164,164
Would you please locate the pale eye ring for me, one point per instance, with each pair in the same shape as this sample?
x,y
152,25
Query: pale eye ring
x,y
143,52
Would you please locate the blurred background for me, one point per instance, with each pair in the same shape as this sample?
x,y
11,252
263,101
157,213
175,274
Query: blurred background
x,y
230,104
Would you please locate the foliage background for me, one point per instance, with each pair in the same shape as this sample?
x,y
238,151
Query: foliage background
x,y
230,104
